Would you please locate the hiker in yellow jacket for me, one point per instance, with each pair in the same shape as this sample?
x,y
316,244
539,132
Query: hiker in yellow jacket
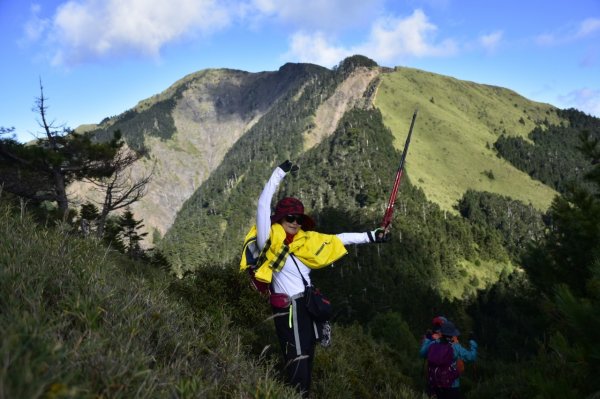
x,y
289,250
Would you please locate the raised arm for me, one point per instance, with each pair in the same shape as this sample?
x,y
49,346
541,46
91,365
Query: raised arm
x,y
468,355
263,213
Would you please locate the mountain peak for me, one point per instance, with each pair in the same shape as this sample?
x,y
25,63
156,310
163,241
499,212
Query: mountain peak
x,y
349,64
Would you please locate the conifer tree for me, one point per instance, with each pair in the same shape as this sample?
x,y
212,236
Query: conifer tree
x,y
88,217
130,235
573,240
42,170
567,270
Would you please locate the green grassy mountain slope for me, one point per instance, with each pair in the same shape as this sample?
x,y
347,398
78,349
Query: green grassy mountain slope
x,y
189,128
458,123
452,152
344,182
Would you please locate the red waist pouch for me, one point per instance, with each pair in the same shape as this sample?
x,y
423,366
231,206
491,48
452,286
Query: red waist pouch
x,y
280,300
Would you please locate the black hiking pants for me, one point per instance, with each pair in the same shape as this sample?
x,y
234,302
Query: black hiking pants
x,y
297,337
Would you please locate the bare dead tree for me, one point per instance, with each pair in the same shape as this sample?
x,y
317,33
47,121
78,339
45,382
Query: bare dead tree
x,y
120,190
52,132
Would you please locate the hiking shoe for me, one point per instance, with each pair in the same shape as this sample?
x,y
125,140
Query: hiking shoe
x,y
325,335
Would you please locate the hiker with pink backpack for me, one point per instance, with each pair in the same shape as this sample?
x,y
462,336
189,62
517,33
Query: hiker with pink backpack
x,y
443,354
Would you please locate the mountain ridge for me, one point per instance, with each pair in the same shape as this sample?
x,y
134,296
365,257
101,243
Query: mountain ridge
x,y
206,112
204,133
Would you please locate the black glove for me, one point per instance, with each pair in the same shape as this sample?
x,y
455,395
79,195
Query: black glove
x,y
379,235
288,166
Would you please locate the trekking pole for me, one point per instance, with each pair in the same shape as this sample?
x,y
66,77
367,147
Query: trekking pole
x,y
389,211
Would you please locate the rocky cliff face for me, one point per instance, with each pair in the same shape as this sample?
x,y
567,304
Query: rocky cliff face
x,y
210,110
203,134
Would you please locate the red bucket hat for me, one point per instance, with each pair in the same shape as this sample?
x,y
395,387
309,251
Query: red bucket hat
x,y
292,206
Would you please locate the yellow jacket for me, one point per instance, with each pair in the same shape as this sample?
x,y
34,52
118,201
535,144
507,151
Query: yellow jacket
x,y
315,250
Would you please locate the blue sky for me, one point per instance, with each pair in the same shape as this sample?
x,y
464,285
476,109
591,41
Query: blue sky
x,y
98,58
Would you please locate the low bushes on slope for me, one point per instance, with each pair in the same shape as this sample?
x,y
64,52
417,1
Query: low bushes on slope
x,y
78,321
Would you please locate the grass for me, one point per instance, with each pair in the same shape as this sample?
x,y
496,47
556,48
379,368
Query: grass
x,y
451,148
357,367
79,321
473,277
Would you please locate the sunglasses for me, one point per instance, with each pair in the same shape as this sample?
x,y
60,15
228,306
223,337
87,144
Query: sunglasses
x,y
294,218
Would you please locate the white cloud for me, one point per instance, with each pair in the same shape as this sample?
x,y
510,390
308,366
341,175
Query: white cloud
x,y
414,36
315,49
586,100
87,30
490,42
35,26
583,30
588,27
545,39
83,31
390,40
319,15
266,6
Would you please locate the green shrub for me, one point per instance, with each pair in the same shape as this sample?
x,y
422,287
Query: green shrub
x,y
355,366
79,321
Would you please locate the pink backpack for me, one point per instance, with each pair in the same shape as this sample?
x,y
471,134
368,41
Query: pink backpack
x,y
441,367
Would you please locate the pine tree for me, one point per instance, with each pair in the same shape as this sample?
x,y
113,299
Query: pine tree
x,y
130,235
573,240
88,218
567,269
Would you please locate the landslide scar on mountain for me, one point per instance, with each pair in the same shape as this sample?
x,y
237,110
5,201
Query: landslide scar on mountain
x,y
347,95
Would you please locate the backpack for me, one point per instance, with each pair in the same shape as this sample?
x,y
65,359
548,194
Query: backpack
x,y
441,369
250,259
